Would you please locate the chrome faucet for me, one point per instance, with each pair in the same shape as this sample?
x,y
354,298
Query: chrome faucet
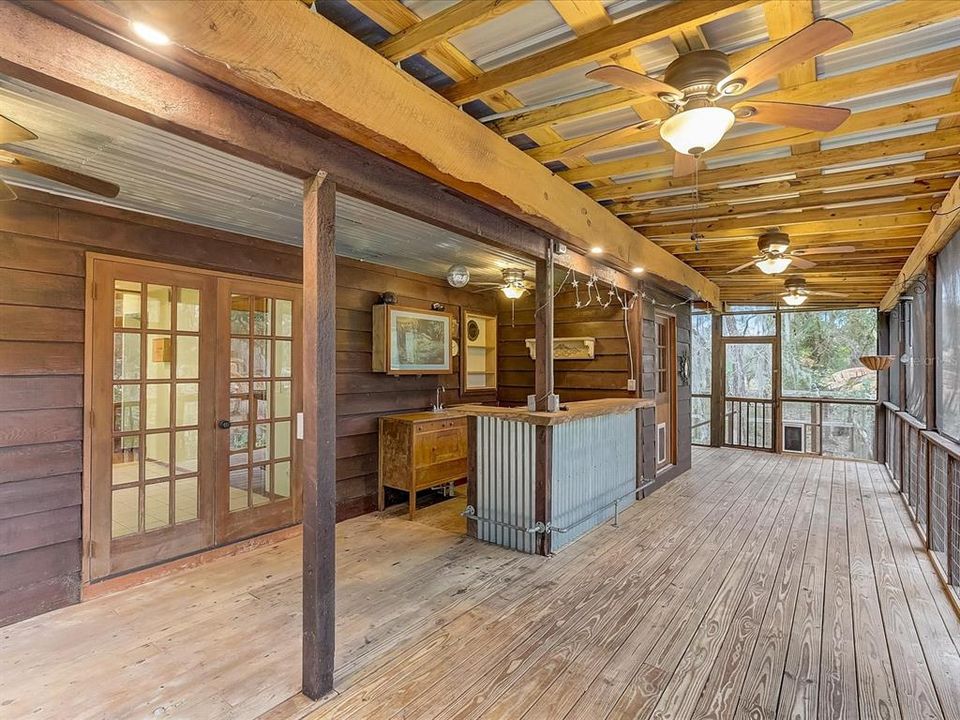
x,y
438,405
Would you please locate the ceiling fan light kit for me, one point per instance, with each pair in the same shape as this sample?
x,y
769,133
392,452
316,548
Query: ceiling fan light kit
x,y
794,299
697,130
774,265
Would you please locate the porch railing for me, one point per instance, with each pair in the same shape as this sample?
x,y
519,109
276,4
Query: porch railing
x,y
925,468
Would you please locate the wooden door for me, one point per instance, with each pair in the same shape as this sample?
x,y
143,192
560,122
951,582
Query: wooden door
x,y
666,389
152,356
258,399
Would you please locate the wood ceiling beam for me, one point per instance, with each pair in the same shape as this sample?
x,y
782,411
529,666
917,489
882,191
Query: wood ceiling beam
x,y
921,188
839,87
443,25
893,239
936,140
583,16
889,116
883,224
395,17
601,43
759,190
285,65
887,212
943,226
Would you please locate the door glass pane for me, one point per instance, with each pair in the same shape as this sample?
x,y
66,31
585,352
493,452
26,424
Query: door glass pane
x,y
158,406
284,318
281,439
156,505
125,512
239,409
187,451
261,316
126,459
259,484
239,315
126,304
281,398
126,408
238,489
261,358
261,395
749,370
188,404
159,355
239,437
159,299
156,462
281,479
188,356
284,358
188,309
239,358
126,356
261,443
186,500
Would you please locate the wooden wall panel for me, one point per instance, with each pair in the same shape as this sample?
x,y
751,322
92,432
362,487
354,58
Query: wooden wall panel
x,y
43,245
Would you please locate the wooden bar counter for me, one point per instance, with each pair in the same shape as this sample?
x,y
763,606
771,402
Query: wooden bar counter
x,y
539,480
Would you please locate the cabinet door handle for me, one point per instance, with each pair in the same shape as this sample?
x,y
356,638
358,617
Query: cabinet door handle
x,y
223,424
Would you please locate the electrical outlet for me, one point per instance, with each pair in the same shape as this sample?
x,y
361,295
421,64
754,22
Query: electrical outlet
x,y
632,385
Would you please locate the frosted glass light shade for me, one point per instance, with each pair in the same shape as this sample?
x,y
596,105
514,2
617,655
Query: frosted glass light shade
x,y
697,130
513,291
794,300
774,265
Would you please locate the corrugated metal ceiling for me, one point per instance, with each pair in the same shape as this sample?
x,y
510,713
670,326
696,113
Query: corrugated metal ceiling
x,y
163,174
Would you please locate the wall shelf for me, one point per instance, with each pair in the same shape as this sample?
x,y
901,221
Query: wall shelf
x,y
478,361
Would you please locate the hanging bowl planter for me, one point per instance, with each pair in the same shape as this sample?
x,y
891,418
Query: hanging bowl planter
x,y
876,362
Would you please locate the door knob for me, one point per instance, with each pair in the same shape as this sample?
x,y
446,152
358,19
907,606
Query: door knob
x,y
223,424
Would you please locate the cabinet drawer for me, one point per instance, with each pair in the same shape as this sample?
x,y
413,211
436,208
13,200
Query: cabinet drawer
x,y
435,425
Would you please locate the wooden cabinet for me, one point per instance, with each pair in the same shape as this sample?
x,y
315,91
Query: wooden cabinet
x,y
478,363
421,450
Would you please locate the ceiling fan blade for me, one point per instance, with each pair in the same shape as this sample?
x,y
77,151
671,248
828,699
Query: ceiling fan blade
x,y
6,192
807,117
11,132
606,140
59,174
815,38
801,263
630,80
825,250
827,292
684,164
742,267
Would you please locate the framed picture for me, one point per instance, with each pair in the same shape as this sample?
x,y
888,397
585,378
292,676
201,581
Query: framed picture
x,y
408,341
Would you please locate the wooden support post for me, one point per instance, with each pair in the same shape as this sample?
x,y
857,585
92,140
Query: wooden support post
x,y
543,459
543,318
319,435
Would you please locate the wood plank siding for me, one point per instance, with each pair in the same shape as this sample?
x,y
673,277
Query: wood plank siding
x,y
43,241
755,585
606,375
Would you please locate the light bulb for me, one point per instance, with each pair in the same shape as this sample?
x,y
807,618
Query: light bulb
x,y
596,250
774,265
794,300
513,291
150,34
697,130
638,270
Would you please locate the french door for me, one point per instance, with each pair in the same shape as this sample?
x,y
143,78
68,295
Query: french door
x,y
193,394
665,367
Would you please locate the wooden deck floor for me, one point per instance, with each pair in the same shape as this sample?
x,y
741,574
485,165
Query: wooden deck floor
x,y
754,586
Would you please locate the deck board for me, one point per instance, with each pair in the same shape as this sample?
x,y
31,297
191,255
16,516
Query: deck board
x,y
755,585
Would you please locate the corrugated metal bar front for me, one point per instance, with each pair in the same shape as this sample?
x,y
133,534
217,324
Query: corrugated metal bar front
x,y
505,480
594,464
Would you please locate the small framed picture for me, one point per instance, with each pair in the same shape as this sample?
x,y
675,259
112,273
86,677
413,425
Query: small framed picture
x,y
409,341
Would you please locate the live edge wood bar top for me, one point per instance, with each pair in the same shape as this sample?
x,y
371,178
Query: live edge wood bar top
x,y
569,412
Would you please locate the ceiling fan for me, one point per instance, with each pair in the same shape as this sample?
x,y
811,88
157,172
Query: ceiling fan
x,y
797,292
698,85
775,254
11,132
514,284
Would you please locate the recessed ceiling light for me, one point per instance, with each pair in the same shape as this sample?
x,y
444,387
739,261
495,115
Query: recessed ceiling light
x,y
150,34
637,270
596,250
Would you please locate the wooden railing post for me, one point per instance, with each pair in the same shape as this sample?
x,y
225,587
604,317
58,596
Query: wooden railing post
x,y
319,435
